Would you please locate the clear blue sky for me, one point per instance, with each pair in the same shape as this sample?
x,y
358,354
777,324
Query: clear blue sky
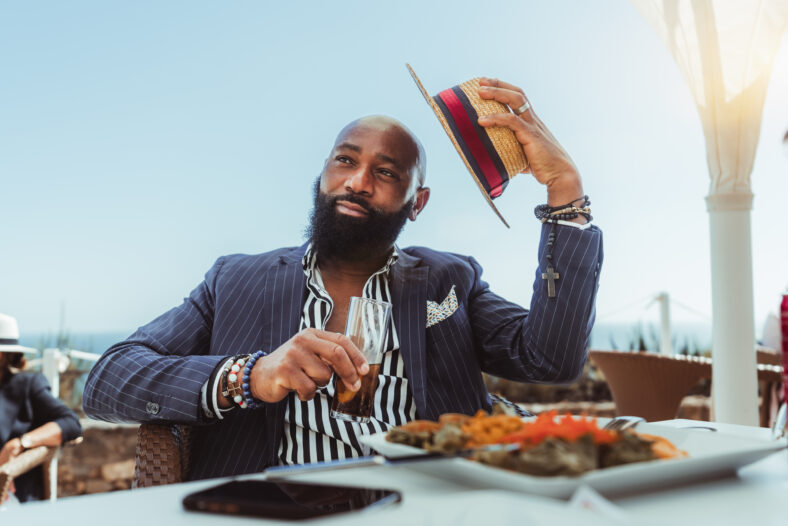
x,y
141,140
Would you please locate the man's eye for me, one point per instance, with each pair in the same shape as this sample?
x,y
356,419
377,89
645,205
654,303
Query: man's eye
x,y
388,173
344,159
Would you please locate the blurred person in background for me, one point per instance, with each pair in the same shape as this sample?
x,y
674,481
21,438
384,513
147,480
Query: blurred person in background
x,y
29,415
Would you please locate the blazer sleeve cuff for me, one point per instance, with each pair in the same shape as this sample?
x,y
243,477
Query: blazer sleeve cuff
x,y
69,427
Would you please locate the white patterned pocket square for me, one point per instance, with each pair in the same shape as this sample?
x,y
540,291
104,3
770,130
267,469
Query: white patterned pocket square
x,y
438,312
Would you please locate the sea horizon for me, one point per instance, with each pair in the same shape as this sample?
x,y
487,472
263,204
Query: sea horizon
x,y
692,336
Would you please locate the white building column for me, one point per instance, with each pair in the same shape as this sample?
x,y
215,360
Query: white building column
x,y
734,375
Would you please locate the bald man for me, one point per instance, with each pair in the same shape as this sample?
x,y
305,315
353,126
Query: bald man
x,y
291,304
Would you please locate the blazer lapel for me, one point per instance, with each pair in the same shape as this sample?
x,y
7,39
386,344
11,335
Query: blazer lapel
x,y
284,294
284,291
409,300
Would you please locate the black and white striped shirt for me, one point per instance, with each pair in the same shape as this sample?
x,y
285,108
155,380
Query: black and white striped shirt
x,y
310,434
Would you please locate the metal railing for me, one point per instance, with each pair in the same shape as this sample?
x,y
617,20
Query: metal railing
x,y
54,362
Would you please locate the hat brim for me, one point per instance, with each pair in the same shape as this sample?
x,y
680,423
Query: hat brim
x,y
18,349
450,133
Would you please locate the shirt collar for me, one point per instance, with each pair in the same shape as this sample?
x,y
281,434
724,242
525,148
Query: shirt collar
x,y
309,261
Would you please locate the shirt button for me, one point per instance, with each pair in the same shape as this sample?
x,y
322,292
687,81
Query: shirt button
x,y
152,408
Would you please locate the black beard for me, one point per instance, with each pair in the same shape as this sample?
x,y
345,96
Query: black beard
x,y
337,236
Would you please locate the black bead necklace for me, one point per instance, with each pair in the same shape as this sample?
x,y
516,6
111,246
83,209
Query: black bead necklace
x,y
546,213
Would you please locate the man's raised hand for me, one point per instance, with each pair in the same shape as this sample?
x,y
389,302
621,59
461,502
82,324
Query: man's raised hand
x,y
547,160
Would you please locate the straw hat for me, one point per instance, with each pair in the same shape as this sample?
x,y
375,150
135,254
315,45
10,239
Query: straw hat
x,y
9,336
492,155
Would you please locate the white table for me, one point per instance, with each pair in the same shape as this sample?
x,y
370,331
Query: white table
x,y
758,495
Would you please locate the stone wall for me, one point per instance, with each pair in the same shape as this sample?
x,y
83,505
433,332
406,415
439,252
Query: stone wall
x,y
693,407
104,461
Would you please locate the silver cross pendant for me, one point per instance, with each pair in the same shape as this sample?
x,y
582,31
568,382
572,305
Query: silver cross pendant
x,y
551,275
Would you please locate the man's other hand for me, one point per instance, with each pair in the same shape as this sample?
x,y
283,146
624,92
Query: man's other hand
x,y
305,363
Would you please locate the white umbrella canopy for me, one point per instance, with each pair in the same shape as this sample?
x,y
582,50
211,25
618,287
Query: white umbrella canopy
x,y
725,50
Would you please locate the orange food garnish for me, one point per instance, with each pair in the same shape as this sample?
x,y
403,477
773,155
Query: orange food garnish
x,y
485,429
565,427
663,448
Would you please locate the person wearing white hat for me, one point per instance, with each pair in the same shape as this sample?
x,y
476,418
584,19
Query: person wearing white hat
x,y
30,415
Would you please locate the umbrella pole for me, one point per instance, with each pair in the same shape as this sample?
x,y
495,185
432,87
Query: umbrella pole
x,y
734,374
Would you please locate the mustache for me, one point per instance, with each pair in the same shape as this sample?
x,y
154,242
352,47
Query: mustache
x,y
355,200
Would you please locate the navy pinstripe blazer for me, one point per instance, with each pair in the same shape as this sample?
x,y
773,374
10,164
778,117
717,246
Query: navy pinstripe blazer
x,y
255,302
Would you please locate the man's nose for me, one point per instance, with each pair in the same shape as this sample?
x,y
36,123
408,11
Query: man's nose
x,y
359,181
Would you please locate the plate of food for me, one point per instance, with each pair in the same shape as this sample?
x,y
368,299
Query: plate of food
x,y
557,454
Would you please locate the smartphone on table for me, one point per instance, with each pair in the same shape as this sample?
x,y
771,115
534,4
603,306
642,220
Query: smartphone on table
x,y
287,500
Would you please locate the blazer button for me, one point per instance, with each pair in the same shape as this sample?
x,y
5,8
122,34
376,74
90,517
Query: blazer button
x,y
152,408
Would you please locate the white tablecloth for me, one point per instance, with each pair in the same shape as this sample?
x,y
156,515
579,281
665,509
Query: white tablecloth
x,y
756,496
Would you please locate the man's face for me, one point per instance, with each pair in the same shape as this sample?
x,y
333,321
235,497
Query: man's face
x,y
368,189
374,160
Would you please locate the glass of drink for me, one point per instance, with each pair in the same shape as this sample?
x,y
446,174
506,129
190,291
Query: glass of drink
x,y
367,327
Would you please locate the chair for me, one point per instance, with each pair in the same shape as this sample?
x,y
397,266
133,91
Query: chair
x,y
23,463
27,460
769,381
649,385
652,385
162,455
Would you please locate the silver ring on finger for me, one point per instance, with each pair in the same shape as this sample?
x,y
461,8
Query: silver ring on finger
x,y
522,109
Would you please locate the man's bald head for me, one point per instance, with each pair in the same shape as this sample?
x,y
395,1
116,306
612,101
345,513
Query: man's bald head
x,y
405,141
371,184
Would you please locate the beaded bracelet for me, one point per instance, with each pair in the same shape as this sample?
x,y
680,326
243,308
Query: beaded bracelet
x,y
248,398
546,213
230,384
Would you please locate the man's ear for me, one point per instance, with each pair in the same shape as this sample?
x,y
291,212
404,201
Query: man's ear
x,y
422,196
